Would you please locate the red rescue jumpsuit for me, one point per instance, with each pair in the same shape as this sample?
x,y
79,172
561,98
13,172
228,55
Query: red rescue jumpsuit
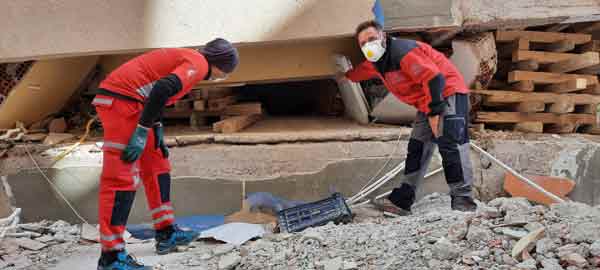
x,y
119,180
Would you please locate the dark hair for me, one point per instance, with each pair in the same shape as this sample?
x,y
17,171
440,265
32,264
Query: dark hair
x,y
365,25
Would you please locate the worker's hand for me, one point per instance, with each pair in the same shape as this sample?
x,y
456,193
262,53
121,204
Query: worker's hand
x,y
159,139
135,147
340,76
434,123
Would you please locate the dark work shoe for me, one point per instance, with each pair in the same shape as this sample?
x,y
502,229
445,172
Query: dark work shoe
x,y
403,197
123,261
387,207
464,204
177,237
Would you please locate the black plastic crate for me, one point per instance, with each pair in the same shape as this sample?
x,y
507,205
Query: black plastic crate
x,y
313,214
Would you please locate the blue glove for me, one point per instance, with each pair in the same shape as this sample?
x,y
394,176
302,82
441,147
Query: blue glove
x,y
159,139
135,147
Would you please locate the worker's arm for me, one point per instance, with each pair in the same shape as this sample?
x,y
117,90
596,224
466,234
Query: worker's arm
x,y
423,71
163,89
364,71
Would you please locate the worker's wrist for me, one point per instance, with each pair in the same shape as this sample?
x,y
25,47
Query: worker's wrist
x,y
437,108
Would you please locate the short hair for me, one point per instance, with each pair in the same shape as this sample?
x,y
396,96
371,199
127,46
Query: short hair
x,y
365,25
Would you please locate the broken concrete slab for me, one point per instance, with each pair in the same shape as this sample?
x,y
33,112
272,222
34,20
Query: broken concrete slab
x,y
29,244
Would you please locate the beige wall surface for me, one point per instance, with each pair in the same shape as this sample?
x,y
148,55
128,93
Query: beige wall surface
x,y
33,29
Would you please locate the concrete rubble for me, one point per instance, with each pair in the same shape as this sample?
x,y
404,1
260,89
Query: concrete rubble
x,y
562,236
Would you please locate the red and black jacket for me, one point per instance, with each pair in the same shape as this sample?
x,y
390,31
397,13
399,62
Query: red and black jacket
x,y
414,72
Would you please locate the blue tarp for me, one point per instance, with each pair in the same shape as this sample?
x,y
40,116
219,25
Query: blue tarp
x,y
378,11
196,223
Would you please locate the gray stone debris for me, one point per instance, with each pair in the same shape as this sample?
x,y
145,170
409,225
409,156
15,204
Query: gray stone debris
x,y
223,249
434,237
443,249
229,261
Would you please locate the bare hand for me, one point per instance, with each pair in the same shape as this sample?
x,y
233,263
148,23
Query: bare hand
x,y
434,122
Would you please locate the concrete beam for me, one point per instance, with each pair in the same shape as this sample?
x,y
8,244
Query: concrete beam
x,y
41,29
418,14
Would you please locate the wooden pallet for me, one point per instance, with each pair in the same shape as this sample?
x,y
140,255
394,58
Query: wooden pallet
x,y
550,82
222,103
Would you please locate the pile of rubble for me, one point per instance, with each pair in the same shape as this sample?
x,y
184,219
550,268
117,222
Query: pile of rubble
x,y
506,233
38,245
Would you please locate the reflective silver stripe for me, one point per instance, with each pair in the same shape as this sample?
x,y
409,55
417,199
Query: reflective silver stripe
x,y
120,246
146,89
160,209
103,101
136,180
109,238
163,218
114,145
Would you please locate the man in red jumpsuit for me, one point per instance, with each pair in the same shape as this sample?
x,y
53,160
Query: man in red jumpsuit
x,y
129,103
422,77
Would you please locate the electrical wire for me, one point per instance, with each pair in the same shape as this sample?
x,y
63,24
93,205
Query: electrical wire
x,y
56,189
390,157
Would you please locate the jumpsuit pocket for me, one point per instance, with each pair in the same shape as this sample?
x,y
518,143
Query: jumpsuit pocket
x,y
121,173
454,128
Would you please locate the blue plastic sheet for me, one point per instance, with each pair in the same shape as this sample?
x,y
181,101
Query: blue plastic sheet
x,y
378,12
196,223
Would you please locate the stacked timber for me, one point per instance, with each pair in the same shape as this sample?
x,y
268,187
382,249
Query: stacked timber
x,y
548,81
222,103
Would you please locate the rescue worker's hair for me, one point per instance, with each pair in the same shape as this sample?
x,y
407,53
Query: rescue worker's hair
x,y
361,27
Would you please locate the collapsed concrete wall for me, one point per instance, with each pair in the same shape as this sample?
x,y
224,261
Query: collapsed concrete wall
x,y
72,27
207,177
486,14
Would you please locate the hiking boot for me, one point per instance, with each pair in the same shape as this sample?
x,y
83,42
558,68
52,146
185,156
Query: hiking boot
x,y
403,197
464,204
167,242
123,261
387,207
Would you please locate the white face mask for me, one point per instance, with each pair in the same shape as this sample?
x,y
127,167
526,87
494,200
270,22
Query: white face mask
x,y
373,50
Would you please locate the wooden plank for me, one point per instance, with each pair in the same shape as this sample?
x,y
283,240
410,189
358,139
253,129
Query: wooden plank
x,y
527,65
590,108
586,28
505,50
244,109
543,37
236,123
558,46
503,96
580,61
563,128
568,86
562,106
541,57
548,78
200,105
530,106
593,70
183,105
592,90
524,86
530,127
546,118
592,46
220,103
